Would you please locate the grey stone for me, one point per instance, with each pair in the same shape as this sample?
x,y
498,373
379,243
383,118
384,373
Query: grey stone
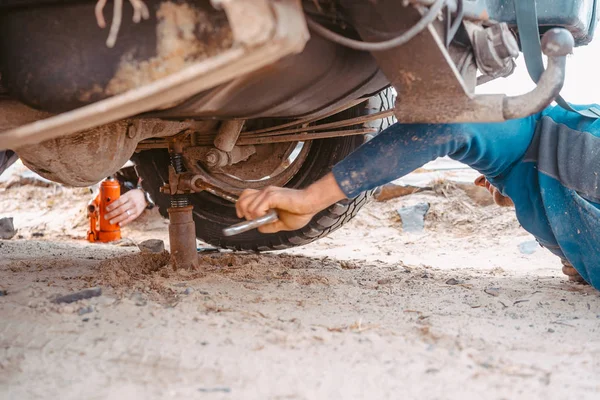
x,y
81,295
492,291
7,229
139,299
413,217
85,310
152,246
528,247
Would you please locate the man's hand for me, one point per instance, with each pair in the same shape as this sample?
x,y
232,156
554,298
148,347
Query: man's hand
x,y
126,208
295,207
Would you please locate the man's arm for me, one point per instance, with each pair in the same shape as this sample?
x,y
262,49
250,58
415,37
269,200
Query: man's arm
x,y
490,148
397,151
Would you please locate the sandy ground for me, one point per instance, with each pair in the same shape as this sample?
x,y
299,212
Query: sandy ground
x,y
467,309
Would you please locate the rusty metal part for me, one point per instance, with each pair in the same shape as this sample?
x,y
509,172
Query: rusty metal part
x,y
246,226
216,158
332,125
182,238
182,228
290,36
307,120
274,164
430,87
577,17
88,157
199,184
571,272
307,133
251,21
207,137
557,43
495,50
229,131
182,184
304,137
14,114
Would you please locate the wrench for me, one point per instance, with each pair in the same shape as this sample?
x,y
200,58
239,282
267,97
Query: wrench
x,y
246,226
197,184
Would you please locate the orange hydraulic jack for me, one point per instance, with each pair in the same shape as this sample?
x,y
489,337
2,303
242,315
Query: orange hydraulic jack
x,y
100,229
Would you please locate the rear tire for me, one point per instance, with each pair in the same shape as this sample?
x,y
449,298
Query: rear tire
x,y
212,213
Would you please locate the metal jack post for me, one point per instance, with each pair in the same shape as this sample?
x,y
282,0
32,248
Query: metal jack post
x,y
182,229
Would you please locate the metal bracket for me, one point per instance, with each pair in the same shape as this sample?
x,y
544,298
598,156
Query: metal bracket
x,y
430,87
286,34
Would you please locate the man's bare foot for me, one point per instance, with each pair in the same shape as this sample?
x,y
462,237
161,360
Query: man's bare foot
x,y
572,273
499,198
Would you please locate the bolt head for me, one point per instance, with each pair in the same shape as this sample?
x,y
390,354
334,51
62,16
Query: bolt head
x,y
131,131
503,41
211,159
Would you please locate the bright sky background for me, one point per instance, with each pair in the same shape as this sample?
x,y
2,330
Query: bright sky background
x,y
582,84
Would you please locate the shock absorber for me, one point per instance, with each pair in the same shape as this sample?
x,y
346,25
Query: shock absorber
x,y
182,229
178,200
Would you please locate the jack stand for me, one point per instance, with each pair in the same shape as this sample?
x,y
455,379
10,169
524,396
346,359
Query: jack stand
x,y
182,229
182,238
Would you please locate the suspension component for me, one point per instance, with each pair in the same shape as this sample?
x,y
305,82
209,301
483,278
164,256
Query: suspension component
x,y
216,158
178,199
182,229
182,237
228,134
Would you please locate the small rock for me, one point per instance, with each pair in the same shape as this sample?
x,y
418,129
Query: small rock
x,y
413,217
550,330
85,319
528,247
124,242
37,234
85,310
188,291
384,281
492,291
3,292
152,246
139,299
453,281
207,250
81,295
7,229
67,309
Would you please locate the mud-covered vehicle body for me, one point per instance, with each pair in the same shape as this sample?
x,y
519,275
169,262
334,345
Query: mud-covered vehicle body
x,y
251,93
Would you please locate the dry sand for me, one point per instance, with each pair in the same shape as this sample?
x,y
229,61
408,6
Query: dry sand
x,y
371,312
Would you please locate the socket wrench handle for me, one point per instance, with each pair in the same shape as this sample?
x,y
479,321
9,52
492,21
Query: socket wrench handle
x,y
246,226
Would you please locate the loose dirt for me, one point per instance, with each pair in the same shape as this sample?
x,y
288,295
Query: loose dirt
x,y
467,309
